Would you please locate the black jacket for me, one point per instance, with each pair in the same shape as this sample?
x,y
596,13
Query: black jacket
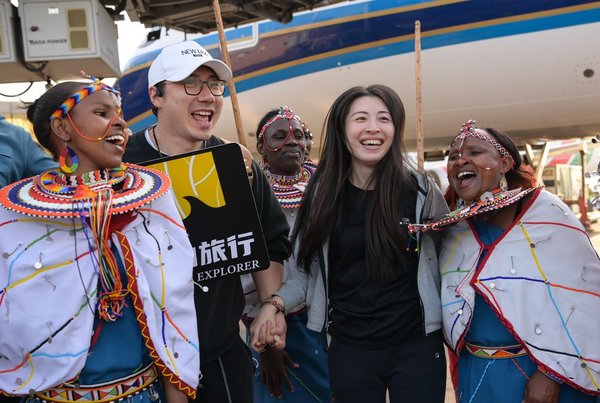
x,y
220,308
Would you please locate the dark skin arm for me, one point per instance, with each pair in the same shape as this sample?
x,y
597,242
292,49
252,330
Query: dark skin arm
x,y
273,363
541,389
173,394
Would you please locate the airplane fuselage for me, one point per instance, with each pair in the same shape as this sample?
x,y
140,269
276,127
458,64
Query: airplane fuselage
x,y
531,68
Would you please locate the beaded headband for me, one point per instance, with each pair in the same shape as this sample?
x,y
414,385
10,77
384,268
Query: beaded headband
x,y
470,129
74,99
283,113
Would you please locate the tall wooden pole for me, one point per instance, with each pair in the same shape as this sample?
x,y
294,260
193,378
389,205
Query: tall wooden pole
x,y
419,110
232,94
582,195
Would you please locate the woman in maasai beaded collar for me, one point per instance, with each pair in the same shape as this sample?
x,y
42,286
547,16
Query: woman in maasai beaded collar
x,y
520,280
284,142
94,275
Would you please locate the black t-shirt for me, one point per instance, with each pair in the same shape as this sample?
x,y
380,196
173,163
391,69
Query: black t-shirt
x,y
220,308
367,312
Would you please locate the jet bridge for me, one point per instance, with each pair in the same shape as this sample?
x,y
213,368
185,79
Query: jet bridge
x,y
195,16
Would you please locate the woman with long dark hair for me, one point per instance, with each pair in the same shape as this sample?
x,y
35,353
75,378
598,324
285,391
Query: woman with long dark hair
x,y
370,285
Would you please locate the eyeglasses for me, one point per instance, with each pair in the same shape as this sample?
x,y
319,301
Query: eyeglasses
x,y
193,86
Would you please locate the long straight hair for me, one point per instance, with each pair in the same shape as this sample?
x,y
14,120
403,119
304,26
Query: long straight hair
x,y
320,215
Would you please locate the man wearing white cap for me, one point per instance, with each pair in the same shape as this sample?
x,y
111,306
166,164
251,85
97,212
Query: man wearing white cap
x,y
186,87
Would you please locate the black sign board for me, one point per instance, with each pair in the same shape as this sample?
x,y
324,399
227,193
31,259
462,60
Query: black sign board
x,y
215,201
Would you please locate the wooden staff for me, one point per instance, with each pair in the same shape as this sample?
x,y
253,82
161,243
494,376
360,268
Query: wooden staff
x,y
232,94
582,193
419,111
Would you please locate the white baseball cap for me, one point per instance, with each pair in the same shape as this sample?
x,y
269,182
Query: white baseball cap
x,y
179,61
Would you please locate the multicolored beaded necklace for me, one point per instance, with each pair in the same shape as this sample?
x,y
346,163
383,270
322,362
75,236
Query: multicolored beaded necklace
x,y
54,195
83,186
488,201
289,189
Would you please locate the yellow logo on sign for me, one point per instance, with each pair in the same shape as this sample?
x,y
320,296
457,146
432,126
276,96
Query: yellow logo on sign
x,y
194,176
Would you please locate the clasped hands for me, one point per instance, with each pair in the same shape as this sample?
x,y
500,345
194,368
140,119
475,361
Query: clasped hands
x,y
268,329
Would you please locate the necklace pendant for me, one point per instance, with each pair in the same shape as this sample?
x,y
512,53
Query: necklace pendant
x,y
83,192
487,196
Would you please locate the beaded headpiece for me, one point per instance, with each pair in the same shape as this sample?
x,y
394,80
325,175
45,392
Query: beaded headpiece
x,y
470,129
77,97
283,113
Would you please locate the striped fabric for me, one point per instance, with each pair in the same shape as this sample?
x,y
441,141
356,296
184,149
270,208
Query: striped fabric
x,y
109,392
496,352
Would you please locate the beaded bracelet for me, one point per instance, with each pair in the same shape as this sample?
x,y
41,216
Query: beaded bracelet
x,y
550,375
271,300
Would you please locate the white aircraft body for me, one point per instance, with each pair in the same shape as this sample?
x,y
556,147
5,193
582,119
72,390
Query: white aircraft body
x,y
531,68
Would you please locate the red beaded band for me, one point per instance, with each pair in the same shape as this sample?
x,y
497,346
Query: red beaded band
x,y
279,307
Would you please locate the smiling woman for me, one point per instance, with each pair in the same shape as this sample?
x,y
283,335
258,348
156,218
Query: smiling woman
x,y
520,280
96,241
95,131
284,143
367,282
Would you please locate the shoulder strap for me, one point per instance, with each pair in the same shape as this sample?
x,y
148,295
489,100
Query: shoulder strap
x,y
422,181
321,258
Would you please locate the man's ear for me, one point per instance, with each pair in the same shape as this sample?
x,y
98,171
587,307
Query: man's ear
x,y
155,97
61,129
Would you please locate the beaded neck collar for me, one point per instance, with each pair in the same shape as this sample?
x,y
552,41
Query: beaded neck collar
x,y
52,194
489,201
289,189
306,171
57,182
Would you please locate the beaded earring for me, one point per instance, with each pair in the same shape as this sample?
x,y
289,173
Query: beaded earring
x,y
62,160
503,185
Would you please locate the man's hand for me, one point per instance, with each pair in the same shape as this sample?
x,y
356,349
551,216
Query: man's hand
x,y
541,389
279,331
268,329
273,371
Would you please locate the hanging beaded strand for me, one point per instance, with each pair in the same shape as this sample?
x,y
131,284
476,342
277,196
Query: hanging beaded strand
x,y
111,299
